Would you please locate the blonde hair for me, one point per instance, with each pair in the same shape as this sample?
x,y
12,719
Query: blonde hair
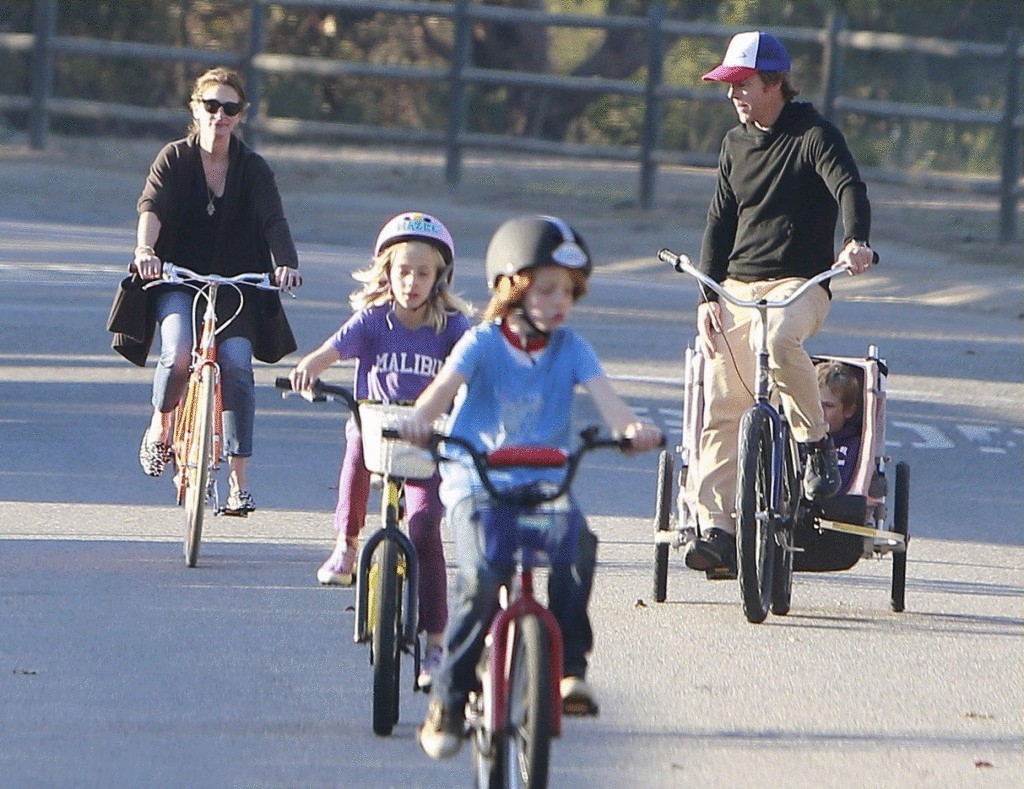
x,y
376,288
509,291
216,76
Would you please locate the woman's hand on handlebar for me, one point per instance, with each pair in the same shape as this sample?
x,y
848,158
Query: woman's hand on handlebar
x,y
146,264
709,324
287,278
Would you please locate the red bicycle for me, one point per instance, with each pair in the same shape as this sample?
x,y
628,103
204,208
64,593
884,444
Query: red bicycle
x,y
518,707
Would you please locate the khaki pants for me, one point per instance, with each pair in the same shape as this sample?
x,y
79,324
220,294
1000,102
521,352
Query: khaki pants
x,y
729,385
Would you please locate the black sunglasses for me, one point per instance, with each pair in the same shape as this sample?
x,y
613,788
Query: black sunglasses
x,y
231,108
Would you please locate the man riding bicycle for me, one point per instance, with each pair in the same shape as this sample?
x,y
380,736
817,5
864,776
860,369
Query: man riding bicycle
x,y
784,174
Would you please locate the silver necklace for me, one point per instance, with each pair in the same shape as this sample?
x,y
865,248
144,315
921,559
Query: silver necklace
x,y
210,207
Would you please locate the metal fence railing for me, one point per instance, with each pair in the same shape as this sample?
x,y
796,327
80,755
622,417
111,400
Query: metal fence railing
x,y
43,46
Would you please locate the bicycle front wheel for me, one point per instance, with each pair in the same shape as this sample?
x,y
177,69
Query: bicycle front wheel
x,y
198,460
525,749
755,542
386,643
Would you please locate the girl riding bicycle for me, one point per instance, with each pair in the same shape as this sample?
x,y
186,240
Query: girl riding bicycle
x,y
406,321
520,368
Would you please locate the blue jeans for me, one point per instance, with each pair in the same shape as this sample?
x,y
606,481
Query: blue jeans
x,y
475,602
173,309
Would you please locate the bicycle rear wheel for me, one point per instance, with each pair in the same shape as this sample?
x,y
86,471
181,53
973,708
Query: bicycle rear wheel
x,y
385,643
197,464
755,543
662,516
782,571
525,746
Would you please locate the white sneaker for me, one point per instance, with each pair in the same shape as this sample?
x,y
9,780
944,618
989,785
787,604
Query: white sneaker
x,y
338,569
429,665
577,697
442,732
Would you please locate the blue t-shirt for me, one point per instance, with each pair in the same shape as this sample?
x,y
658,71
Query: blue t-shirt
x,y
394,363
511,398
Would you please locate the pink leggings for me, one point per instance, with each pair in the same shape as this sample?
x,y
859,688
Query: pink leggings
x,y
423,512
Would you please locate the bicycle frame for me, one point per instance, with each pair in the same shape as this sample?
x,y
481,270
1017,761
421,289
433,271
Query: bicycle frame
x,y
204,356
198,425
762,376
390,503
524,603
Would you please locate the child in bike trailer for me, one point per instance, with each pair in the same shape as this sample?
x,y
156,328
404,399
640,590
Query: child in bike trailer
x,y
517,372
840,392
406,321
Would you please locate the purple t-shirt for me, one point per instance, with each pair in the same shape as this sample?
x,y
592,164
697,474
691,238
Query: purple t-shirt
x,y
394,363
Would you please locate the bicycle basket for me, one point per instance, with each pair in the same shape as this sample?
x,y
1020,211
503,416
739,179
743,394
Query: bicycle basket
x,y
552,529
393,457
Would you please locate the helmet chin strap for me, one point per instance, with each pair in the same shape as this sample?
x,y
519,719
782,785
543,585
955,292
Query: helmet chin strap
x,y
520,312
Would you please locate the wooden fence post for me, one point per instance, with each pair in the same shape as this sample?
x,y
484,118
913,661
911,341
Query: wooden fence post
x,y
652,103
253,77
457,94
831,65
44,22
1008,196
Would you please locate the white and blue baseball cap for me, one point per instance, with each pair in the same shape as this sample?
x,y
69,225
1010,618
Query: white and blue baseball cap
x,y
749,53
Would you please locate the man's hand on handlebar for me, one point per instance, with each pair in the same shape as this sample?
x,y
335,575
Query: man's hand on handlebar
x,y
858,255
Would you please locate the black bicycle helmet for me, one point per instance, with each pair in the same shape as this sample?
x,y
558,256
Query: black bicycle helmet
x,y
530,241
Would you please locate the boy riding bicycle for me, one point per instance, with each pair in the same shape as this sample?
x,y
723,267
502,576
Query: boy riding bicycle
x,y
520,368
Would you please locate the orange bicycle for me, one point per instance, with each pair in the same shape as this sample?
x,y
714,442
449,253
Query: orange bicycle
x,y
198,439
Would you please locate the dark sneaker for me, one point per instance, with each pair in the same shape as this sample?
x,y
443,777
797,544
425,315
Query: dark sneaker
x,y
577,697
717,548
821,474
442,732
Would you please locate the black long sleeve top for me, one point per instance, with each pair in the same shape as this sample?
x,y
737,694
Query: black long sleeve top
x,y
778,198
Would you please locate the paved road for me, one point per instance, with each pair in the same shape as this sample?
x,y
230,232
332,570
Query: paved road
x,y
118,666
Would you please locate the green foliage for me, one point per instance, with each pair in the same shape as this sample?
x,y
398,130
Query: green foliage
x,y
345,34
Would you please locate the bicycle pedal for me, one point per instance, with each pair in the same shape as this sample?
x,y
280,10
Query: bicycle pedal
x,y
723,573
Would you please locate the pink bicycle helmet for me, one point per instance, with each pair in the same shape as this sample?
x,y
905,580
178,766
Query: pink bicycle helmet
x,y
414,226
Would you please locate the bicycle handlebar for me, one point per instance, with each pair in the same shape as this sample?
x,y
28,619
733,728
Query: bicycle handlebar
x,y
321,393
524,457
180,275
682,264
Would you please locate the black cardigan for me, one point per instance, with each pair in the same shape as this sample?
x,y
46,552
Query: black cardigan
x,y
252,235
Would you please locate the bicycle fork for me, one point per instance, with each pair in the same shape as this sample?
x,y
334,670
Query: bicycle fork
x,y
407,559
499,635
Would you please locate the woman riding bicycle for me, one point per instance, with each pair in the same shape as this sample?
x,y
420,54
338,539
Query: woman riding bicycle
x,y
211,204
520,368
784,173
